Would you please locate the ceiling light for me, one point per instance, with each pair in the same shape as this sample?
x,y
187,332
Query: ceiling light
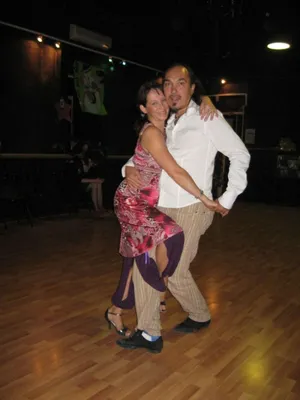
x,y
278,46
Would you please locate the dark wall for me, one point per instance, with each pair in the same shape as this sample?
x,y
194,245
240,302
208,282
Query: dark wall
x,y
34,77
273,109
30,86
121,84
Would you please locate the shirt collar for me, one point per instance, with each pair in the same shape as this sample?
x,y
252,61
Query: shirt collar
x,y
193,108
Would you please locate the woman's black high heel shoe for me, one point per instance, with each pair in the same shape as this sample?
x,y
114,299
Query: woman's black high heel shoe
x,y
121,332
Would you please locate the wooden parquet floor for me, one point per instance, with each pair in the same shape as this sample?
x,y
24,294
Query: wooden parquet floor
x,y
56,281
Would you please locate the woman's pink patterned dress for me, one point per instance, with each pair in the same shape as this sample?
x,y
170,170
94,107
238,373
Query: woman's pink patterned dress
x,y
143,226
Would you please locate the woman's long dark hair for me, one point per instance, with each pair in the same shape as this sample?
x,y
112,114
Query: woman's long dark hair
x,y
142,101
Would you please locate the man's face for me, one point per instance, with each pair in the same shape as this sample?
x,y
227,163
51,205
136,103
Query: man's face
x,y
177,88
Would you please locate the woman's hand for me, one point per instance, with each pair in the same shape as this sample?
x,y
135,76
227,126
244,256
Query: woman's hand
x,y
207,109
210,204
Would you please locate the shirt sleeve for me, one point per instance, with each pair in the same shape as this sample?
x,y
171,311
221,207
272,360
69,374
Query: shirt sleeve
x,y
230,144
128,164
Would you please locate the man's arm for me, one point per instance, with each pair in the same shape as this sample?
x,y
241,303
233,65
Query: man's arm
x,y
128,164
131,174
229,143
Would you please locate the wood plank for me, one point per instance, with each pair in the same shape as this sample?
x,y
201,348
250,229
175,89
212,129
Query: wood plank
x,y
56,280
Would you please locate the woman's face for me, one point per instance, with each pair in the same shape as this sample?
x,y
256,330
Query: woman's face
x,y
156,107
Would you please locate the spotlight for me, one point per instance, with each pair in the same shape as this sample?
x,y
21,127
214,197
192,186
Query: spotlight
x,y
278,46
40,39
223,81
279,41
57,45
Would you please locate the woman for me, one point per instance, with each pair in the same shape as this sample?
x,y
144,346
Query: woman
x,y
149,237
88,169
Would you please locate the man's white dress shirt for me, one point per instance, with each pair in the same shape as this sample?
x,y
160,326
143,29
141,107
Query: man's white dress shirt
x,y
194,144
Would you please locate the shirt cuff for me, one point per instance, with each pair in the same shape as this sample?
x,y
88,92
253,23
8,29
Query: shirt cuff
x,y
128,164
227,199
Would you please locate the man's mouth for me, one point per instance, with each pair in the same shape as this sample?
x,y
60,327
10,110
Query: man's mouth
x,y
175,98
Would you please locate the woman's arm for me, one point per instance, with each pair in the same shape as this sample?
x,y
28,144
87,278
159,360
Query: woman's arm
x,y
152,140
207,109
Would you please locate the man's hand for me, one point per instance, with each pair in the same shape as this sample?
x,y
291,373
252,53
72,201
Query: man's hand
x,y
207,109
221,210
133,177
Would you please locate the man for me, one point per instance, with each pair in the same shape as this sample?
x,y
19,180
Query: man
x,y
194,143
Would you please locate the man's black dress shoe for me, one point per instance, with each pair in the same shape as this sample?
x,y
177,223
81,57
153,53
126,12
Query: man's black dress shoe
x,y
137,341
190,326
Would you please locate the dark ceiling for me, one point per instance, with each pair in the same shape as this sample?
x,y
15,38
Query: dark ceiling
x,y
214,36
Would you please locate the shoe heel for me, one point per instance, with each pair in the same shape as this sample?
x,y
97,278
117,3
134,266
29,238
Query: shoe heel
x,y
121,332
106,317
